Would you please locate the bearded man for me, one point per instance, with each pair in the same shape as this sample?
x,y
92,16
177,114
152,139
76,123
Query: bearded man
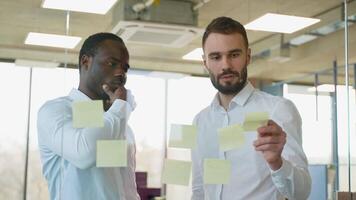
x,y
271,164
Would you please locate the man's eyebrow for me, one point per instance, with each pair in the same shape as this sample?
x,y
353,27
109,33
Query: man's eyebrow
x,y
114,58
230,51
214,53
235,51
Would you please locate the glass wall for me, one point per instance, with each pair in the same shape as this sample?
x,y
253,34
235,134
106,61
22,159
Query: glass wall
x,y
14,85
325,115
147,121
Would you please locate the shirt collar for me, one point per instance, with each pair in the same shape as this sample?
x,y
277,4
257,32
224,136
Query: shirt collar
x,y
77,95
240,98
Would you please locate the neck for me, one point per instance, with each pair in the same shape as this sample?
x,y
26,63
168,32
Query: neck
x,y
87,92
225,99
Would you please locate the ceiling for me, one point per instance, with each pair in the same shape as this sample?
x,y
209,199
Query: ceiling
x,y
18,17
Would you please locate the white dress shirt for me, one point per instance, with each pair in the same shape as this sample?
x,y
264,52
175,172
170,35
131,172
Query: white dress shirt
x,y
251,177
79,178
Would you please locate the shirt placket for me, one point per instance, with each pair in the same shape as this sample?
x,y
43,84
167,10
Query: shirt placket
x,y
222,154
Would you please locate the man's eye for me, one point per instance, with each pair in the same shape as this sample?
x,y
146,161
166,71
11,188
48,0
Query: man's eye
x,y
111,64
215,57
235,55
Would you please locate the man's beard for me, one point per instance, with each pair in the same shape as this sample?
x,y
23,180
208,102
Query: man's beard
x,y
95,84
230,88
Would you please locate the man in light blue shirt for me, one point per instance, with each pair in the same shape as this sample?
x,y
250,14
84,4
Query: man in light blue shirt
x,y
271,165
68,154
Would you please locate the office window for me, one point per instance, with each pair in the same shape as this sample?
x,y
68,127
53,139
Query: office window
x,y
14,87
316,123
186,97
147,122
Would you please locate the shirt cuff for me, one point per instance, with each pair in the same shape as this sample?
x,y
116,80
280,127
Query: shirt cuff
x,y
120,109
285,172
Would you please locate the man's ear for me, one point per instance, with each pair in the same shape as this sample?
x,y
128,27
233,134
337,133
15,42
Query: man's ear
x,y
85,62
204,61
248,56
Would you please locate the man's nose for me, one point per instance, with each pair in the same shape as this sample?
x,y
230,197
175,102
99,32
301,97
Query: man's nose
x,y
119,70
225,62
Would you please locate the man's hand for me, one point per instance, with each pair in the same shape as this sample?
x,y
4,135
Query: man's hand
x,y
119,93
270,141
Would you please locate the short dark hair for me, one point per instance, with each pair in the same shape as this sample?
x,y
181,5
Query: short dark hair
x,y
225,25
92,43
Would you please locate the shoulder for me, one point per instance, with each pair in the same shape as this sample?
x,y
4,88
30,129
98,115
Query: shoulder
x,y
54,107
258,95
281,108
274,102
204,113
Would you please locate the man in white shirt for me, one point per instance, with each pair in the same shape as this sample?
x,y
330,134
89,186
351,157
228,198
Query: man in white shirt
x,y
271,165
69,154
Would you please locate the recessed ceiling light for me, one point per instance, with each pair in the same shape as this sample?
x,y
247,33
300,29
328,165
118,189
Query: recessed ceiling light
x,y
52,40
280,23
88,6
196,55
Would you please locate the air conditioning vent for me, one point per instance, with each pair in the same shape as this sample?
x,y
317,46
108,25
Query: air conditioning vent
x,y
156,33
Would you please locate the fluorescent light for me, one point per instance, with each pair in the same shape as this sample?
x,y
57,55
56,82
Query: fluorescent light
x,y
322,88
196,55
302,39
52,40
280,23
88,6
35,63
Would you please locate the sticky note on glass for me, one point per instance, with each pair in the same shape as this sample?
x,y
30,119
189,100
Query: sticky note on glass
x,y
88,114
231,137
176,172
111,153
254,120
217,171
183,136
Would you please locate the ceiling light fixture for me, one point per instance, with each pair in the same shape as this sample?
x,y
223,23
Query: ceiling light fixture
x,y
88,6
195,55
52,40
280,23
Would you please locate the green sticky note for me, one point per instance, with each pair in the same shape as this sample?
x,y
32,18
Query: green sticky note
x,y
111,153
176,172
88,114
183,136
231,137
217,171
255,120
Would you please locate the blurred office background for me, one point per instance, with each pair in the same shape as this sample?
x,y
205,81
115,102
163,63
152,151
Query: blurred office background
x,y
170,87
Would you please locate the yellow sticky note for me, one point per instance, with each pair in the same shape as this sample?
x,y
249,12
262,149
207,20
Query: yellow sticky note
x,y
88,114
254,120
176,172
111,153
217,171
183,136
231,137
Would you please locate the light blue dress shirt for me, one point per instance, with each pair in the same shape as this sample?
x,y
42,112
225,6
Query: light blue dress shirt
x,y
251,177
79,178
